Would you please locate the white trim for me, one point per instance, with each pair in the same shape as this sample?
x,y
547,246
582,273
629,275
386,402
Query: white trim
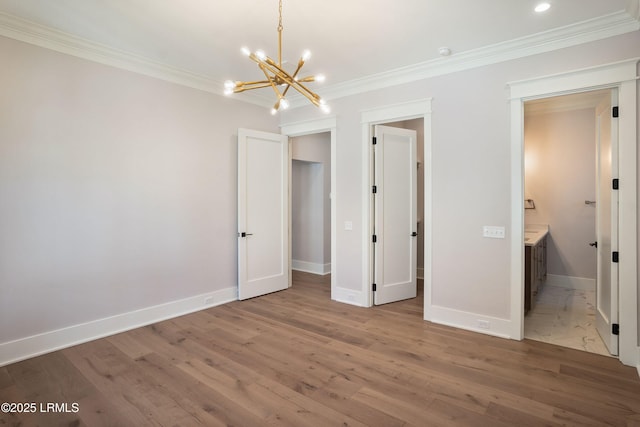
x,y
471,321
403,111
591,78
36,345
310,267
307,127
349,296
590,30
623,76
571,282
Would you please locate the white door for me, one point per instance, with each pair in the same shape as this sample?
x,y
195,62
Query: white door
x,y
263,213
394,211
607,225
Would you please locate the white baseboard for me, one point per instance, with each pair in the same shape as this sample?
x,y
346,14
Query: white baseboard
x,y
311,267
570,282
470,321
36,345
349,296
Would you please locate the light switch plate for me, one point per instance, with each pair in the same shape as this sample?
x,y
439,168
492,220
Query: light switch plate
x,y
493,232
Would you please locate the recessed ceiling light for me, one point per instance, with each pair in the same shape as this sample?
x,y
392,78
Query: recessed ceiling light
x,y
542,7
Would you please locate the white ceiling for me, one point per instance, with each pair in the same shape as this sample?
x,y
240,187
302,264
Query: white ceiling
x,y
350,40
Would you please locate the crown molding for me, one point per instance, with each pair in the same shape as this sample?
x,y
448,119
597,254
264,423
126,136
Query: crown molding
x,y
610,25
49,38
583,32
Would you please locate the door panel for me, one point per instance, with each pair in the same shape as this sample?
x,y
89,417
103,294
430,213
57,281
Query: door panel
x,y
395,249
263,213
606,225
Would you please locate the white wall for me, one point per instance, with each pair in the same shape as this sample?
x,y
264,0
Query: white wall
x,y
471,180
117,194
560,170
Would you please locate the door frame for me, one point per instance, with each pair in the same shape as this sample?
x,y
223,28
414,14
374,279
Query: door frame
x,y
310,127
621,75
377,116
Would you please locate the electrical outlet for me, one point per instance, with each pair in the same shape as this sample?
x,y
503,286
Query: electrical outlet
x,y
484,324
348,225
493,232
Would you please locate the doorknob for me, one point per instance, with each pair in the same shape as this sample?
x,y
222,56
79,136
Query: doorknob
x,y
414,234
594,244
243,234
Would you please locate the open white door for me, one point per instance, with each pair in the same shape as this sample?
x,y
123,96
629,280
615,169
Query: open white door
x,y
394,214
263,213
607,225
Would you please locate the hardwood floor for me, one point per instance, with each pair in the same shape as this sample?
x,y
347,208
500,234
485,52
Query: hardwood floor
x,y
295,358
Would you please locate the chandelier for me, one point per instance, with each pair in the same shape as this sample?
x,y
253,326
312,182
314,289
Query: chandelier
x,y
277,78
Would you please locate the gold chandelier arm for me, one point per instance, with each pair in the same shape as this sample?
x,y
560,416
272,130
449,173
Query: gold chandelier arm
x,y
271,81
256,82
245,86
289,80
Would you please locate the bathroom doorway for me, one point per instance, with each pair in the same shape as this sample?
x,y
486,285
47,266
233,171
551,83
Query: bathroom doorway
x,y
569,160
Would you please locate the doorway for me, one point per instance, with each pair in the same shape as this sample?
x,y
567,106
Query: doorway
x,y
567,190
317,135
397,210
311,203
405,112
622,76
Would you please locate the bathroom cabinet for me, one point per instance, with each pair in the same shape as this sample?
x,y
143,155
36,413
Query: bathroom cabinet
x,y
535,271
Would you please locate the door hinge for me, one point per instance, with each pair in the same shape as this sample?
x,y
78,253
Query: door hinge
x,y
375,238
375,140
615,112
615,184
374,287
614,256
615,329
374,189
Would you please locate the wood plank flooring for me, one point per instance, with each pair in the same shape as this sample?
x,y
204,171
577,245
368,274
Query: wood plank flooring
x,y
295,358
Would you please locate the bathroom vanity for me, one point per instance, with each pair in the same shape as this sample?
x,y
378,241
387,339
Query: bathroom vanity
x,y
535,262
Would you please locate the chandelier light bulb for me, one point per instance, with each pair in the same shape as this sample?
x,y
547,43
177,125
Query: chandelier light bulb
x,y
245,51
261,55
306,55
320,78
284,103
273,111
229,84
323,106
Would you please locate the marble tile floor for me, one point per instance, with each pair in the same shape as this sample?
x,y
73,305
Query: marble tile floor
x,y
565,317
